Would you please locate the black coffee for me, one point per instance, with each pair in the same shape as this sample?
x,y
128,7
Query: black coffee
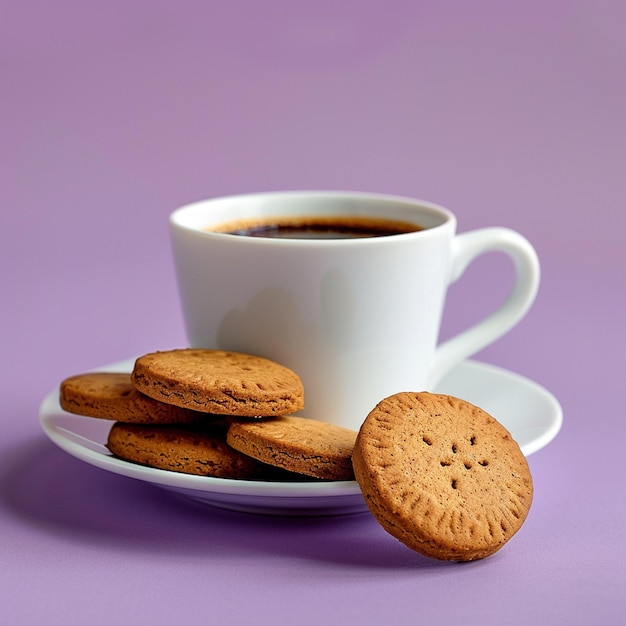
x,y
349,227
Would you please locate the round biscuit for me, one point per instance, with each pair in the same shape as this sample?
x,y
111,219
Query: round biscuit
x,y
442,475
220,382
297,444
110,395
176,449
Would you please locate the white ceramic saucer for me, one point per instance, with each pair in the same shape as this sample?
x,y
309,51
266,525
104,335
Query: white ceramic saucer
x,y
530,412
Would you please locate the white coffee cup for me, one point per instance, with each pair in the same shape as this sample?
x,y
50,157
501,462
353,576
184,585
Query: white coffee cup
x,y
356,318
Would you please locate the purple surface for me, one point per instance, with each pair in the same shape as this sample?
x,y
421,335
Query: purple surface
x,y
114,114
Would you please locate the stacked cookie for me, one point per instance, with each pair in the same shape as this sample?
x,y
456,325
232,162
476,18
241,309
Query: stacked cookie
x,y
438,473
212,413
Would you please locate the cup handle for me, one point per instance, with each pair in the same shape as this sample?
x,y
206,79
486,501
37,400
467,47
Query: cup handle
x,y
465,248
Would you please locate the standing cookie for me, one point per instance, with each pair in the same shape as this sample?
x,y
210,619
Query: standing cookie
x,y
221,382
297,444
442,475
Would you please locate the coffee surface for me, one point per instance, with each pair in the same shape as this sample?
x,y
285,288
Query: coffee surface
x,y
335,227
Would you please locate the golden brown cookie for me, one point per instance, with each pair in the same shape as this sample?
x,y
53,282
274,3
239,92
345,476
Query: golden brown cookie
x,y
204,453
442,475
297,444
221,382
110,395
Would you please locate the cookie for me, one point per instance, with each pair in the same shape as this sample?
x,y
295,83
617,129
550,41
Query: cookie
x,y
110,395
221,382
297,444
442,475
184,450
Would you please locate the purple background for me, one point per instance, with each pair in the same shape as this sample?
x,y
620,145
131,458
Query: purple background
x,y
114,113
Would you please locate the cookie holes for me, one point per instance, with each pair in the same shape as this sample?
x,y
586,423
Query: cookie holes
x,y
483,463
472,441
467,465
453,483
454,448
445,463
427,441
